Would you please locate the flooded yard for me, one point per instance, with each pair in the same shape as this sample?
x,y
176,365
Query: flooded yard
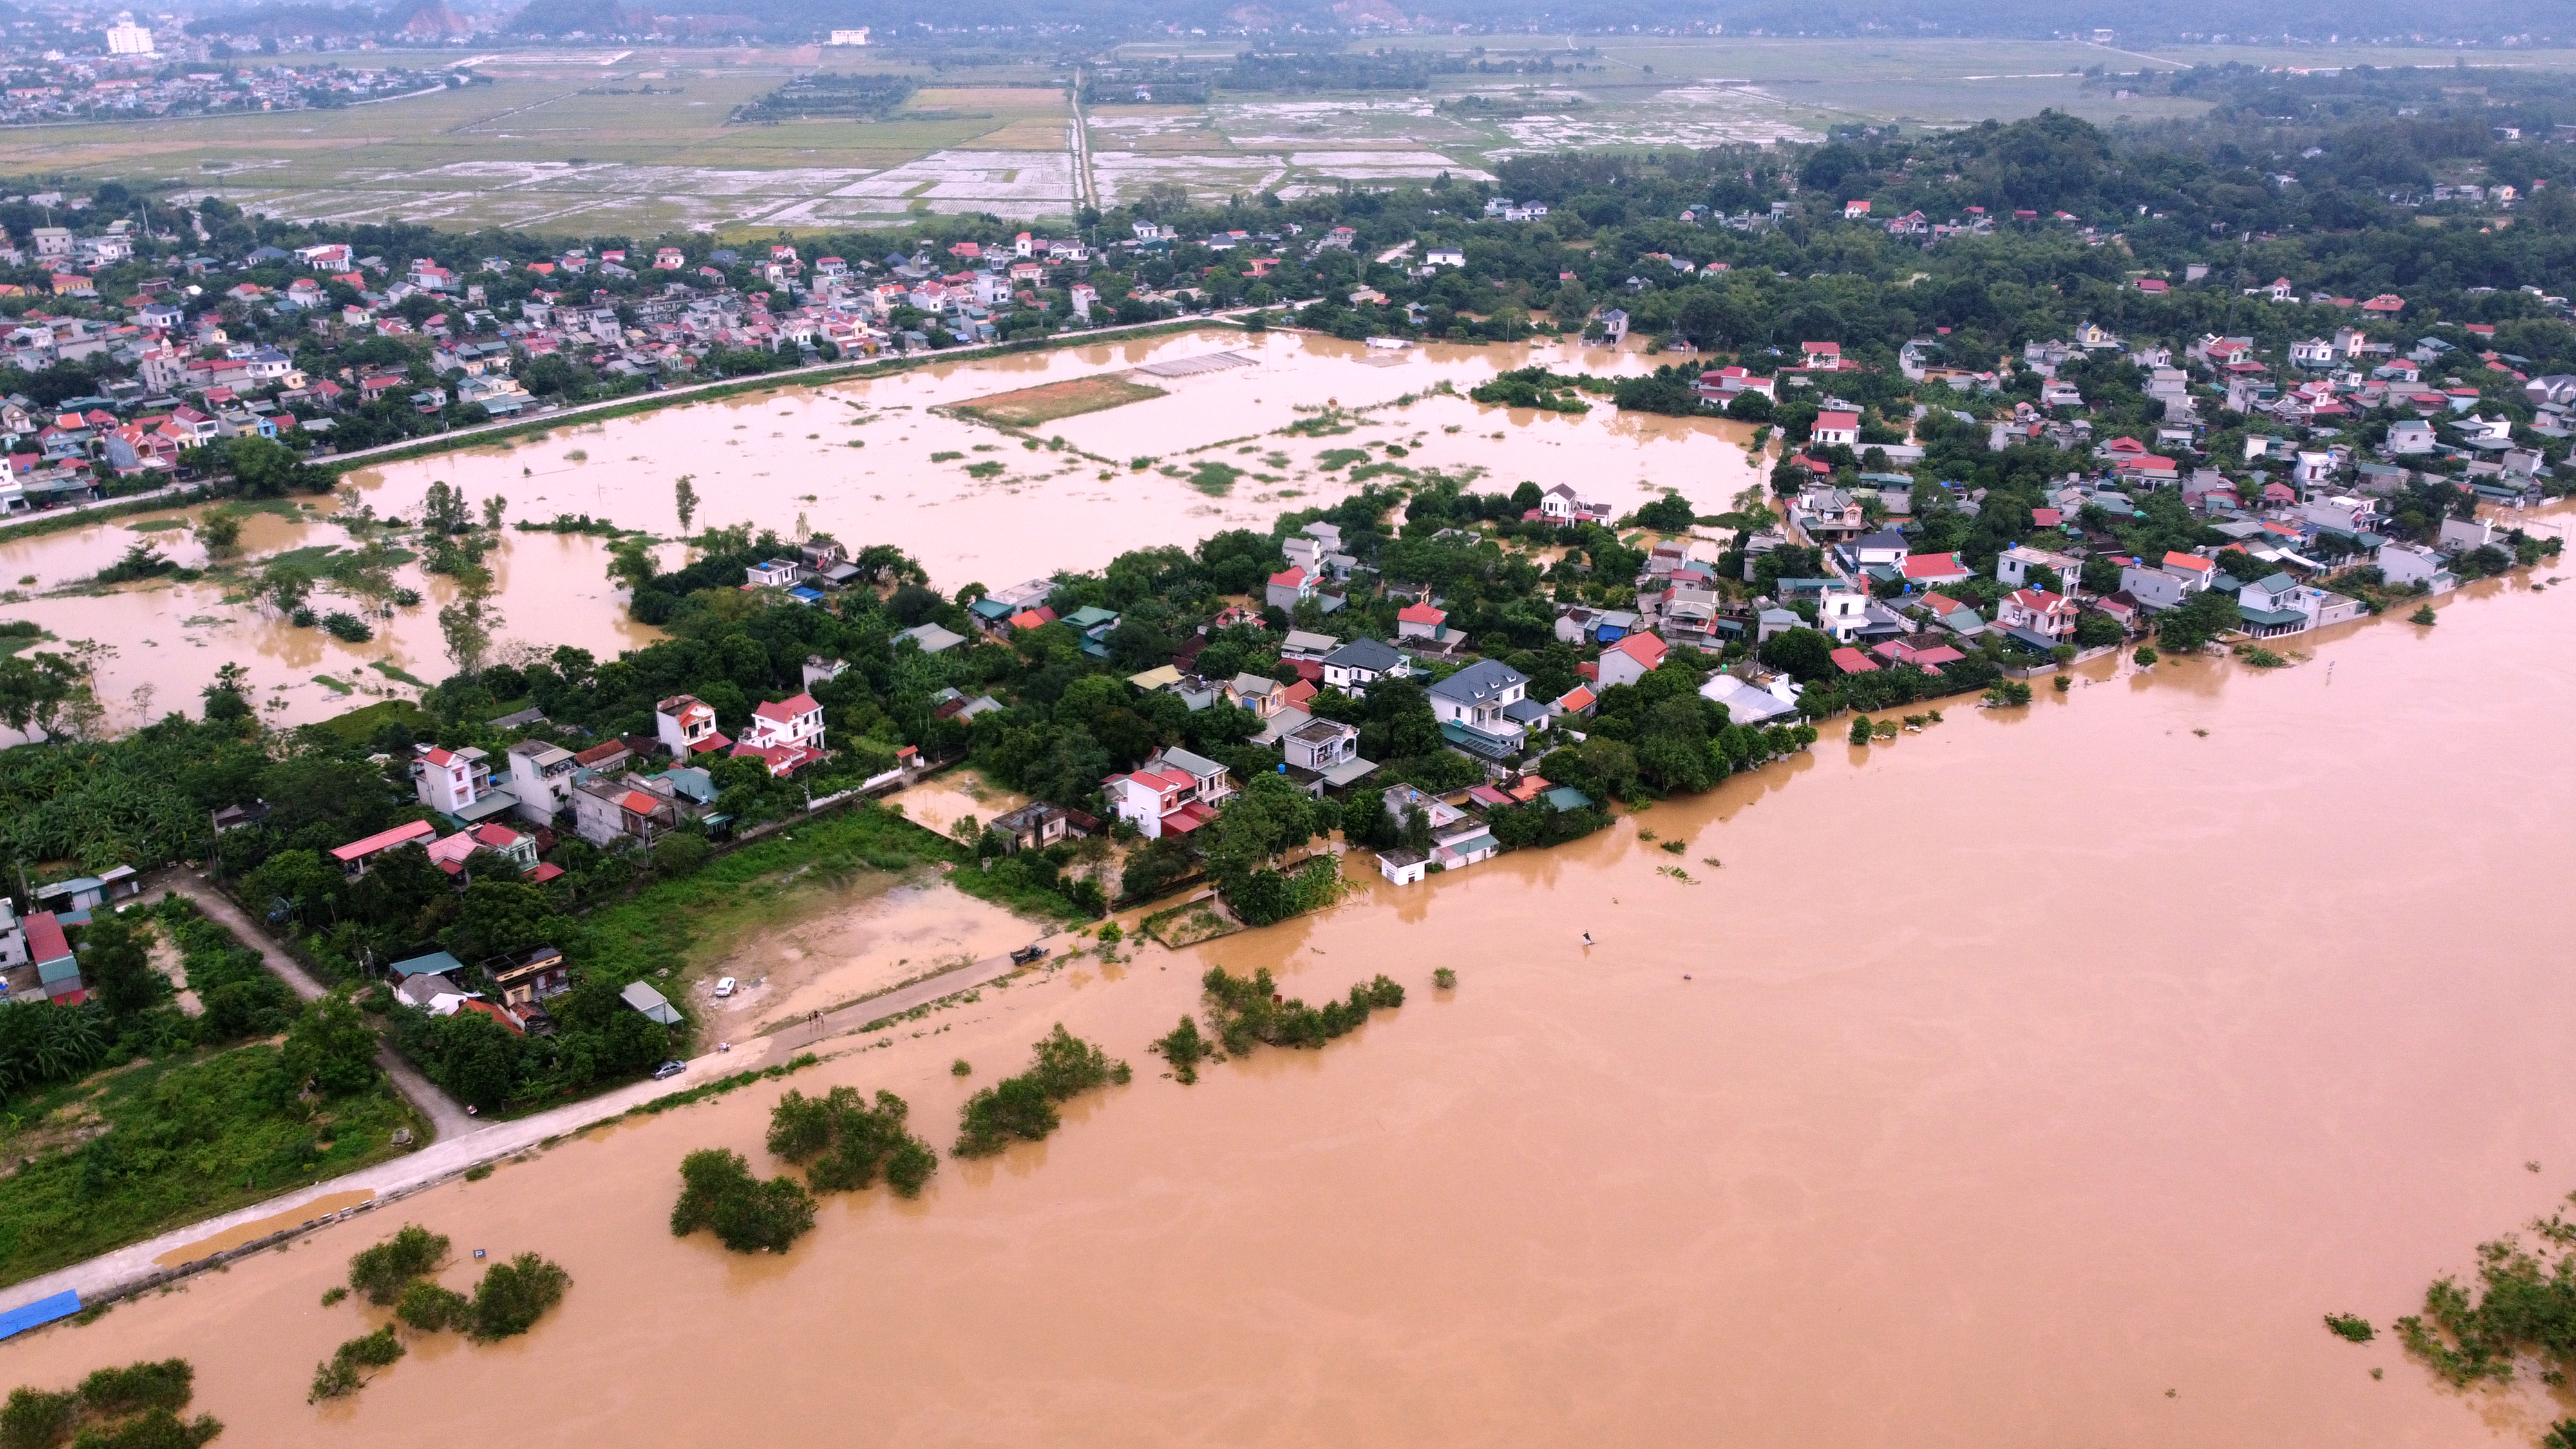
x,y
875,462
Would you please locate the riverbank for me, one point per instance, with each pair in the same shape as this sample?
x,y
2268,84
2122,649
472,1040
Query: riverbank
x,y
2085,1088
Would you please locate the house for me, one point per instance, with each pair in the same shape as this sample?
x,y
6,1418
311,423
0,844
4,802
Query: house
x,y
1886,548
1841,613
1173,793
458,783
2459,535
786,734
2277,604
1357,665
357,855
541,777
1952,615
1031,827
1471,707
1264,697
686,726
2037,614
2013,566
85,892
1933,569
1750,704
2404,565
1851,661
57,970
1562,504
618,811
1837,430
931,638
1289,587
2167,585
776,573
1324,752
1631,659
1458,839
1421,621
525,978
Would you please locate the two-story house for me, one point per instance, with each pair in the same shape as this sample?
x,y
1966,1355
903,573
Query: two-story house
x,y
1173,793
525,978
1473,706
787,734
2166,586
453,782
1362,662
1630,659
1324,752
612,811
2038,613
686,726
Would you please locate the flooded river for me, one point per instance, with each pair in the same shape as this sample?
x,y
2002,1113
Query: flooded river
x,y
2037,1080
772,458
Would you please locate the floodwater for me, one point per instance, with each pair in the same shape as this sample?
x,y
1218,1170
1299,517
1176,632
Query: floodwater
x,y
770,458
773,458
2037,1080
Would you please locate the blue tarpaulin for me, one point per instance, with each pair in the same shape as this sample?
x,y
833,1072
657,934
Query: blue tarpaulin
x,y
39,1313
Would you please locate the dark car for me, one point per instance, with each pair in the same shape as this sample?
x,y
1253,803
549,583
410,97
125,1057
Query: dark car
x,y
669,1069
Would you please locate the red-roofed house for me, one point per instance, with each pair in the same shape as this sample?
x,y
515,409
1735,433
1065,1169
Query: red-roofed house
x,y
2049,615
1420,621
57,969
1577,701
355,855
686,726
1852,661
1935,568
451,781
1289,587
1823,356
1837,429
2386,304
1032,618
1172,793
787,733
1631,659
2046,518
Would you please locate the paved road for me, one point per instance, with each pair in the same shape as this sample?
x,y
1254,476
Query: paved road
x,y
445,1117
866,1009
481,1142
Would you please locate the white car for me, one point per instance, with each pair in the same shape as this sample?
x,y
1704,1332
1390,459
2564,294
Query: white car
x,y
724,988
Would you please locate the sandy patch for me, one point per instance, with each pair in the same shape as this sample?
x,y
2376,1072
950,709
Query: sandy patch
x,y
836,957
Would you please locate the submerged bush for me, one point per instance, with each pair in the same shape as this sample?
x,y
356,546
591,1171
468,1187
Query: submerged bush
x,y
514,1295
1248,1009
1184,1048
429,1308
382,1272
1062,1066
135,1407
2350,1326
844,1143
338,1375
718,1191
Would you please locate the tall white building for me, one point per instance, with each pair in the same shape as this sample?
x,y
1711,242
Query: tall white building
x,y
851,37
127,38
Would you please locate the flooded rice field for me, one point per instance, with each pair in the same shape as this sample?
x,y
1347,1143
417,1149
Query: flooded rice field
x,y
968,500
2036,1080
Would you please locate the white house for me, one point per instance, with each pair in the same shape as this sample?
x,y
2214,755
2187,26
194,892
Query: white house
x,y
686,726
1360,663
1473,707
541,776
453,780
786,734
1632,658
2404,565
1837,429
2013,565
1841,613
2049,615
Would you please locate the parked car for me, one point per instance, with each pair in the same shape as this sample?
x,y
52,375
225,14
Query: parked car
x,y
724,988
668,1070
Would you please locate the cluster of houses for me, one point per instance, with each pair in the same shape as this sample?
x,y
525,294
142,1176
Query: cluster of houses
x,y
131,85
37,962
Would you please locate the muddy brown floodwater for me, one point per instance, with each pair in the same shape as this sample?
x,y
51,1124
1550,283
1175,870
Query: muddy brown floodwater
x,y
2036,1080
770,458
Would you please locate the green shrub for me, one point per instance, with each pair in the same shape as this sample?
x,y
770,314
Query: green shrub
x,y
429,1308
845,1143
1184,1048
2424,615
1248,1009
1023,1107
2350,1326
338,1376
514,1295
718,1191
382,1272
1444,978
